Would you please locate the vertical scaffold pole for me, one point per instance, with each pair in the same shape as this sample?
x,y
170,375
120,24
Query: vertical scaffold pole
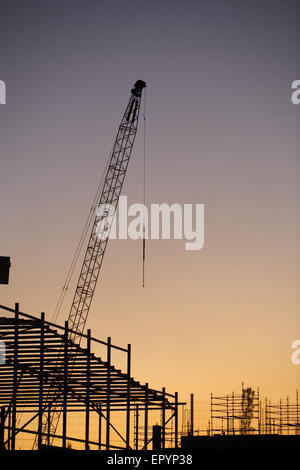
x,y
280,417
266,416
227,415
297,413
288,415
232,411
258,411
211,416
192,414
163,418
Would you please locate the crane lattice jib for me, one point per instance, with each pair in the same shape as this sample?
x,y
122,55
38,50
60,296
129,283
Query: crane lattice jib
x,y
94,255
112,187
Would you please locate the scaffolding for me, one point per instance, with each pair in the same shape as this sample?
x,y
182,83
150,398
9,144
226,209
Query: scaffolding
x,y
284,417
235,413
44,371
247,413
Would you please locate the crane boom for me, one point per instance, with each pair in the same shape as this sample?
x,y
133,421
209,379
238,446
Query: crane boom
x,y
112,186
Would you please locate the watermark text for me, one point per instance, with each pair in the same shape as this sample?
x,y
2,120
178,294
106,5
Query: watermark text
x,y
159,221
295,97
2,92
2,352
295,358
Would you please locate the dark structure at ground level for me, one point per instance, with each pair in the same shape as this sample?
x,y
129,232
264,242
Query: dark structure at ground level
x,y
265,442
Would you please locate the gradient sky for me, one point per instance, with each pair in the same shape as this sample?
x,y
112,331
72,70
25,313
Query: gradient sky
x,y
221,130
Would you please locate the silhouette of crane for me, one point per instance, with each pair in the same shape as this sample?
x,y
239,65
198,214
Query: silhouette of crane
x,y
92,263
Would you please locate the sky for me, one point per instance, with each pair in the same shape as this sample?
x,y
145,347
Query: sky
x,y
220,131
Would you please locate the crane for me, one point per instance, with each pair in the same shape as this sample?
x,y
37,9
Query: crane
x,y
112,187
92,263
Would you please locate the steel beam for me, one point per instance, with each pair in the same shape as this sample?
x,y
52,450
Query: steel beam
x,y
176,420
41,378
15,378
65,387
108,392
88,379
128,396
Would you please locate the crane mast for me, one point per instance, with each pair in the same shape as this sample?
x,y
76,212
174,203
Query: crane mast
x,y
112,186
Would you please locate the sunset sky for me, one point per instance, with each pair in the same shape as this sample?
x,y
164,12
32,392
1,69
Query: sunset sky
x,y
220,130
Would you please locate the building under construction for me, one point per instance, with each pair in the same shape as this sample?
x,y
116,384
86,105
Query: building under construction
x,y
49,372
46,373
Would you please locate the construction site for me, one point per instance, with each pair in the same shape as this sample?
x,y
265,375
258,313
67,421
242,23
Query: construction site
x,y
47,379
49,372
62,387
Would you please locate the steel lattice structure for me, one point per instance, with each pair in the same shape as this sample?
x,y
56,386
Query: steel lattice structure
x,y
95,386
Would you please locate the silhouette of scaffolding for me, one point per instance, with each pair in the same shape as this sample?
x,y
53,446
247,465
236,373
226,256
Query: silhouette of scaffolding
x,y
235,413
45,371
283,417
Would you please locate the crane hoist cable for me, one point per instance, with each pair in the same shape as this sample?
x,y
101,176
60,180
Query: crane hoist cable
x,y
144,192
